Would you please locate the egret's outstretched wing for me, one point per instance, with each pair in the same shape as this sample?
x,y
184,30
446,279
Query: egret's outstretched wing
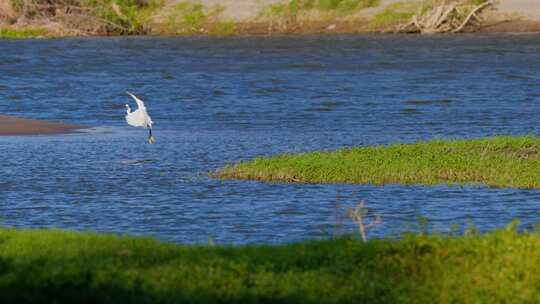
x,y
142,117
139,102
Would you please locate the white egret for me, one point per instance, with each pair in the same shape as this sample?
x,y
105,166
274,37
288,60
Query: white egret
x,y
140,118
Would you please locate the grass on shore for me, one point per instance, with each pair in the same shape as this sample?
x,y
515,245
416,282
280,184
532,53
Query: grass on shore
x,y
336,6
497,161
24,33
187,18
123,17
394,14
290,14
52,266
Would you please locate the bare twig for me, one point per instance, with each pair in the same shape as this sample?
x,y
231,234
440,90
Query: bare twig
x,y
358,214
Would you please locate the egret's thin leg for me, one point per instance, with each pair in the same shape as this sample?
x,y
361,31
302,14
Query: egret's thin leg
x,y
151,139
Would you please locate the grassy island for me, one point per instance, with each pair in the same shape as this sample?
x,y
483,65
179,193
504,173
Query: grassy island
x,y
52,266
496,161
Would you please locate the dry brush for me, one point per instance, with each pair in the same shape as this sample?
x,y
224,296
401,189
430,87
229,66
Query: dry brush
x,y
447,17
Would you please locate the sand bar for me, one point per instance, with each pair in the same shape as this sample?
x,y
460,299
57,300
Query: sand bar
x,y
10,125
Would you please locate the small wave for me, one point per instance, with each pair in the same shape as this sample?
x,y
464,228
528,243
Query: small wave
x,y
427,101
411,111
332,103
98,130
517,77
270,90
319,110
137,161
167,76
217,92
313,66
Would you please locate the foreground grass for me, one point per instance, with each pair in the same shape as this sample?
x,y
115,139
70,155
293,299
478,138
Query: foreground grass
x,y
63,267
497,161
25,33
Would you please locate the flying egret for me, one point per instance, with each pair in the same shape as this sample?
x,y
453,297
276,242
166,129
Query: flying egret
x,y
140,118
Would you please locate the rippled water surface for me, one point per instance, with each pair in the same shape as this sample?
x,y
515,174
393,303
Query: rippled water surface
x,y
218,101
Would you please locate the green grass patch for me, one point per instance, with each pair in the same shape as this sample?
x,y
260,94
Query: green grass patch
x,y
340,5
332,7
104,16
223,28
497,161
395,13
188,18
124,16
24,33
52,266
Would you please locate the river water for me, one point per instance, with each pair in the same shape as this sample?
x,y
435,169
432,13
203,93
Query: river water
x,y
219,101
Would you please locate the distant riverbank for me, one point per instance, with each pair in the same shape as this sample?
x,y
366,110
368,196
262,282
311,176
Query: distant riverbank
x,y
223,18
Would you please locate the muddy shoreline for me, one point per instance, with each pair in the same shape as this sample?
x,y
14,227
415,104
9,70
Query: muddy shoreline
x,y
512,26
14,126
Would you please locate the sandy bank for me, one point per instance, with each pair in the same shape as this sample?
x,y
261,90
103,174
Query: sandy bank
x,y
19,126
512,26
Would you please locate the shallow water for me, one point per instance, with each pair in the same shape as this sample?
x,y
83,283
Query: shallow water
x,y
218,101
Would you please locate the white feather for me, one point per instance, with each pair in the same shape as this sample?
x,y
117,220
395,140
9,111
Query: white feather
x,y
139,117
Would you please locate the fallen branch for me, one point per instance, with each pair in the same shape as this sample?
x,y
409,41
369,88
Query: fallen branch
x,y
471,14
444,18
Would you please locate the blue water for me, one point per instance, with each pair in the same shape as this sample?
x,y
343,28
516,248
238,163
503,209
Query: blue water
x,y
219,101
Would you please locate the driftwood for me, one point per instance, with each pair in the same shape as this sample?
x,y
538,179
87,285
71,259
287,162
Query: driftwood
x,y
472,15
445,18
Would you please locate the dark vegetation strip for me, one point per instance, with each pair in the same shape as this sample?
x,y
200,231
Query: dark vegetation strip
x,y
496,161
